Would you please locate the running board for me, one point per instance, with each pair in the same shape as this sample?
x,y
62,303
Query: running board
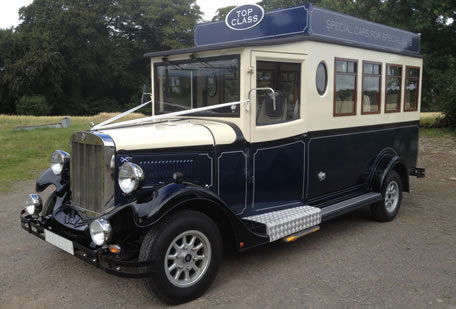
x,y
299,221
343,207
282,223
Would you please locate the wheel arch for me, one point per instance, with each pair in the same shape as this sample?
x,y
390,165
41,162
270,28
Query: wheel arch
x,y
214,212
400,168
386,164
174,197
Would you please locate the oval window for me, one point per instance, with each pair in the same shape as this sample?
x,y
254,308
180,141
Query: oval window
x,y
321,78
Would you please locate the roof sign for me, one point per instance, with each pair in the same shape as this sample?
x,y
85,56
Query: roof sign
x,y
333,25
249,22
244,17
274,24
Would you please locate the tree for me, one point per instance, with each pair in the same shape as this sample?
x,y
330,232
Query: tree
x,y
86,56
35,105
8,46
222,12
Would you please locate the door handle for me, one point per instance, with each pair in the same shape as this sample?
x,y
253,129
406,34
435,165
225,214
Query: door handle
x,y
321,176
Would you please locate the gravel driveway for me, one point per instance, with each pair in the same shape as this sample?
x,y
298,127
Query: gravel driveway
x,y
351,261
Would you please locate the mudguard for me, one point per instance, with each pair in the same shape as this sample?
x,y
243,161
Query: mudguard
x,y
49,178
386,163
173,196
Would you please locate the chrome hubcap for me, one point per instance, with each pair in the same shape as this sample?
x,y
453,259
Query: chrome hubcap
x,y
187,258
392,196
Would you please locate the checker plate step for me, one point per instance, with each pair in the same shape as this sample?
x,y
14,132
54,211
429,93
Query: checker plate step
x,y
285,222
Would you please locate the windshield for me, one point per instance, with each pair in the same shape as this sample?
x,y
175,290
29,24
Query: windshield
x,y
199,82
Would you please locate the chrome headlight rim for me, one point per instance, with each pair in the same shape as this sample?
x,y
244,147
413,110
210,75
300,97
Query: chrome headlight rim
x,y
100,232
33,204
130,177
59,162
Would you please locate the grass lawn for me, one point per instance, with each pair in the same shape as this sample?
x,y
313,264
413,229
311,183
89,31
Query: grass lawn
x,y
25,154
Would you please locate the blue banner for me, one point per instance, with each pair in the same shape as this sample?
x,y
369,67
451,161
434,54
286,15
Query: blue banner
x,y
333,25
274,24
249,22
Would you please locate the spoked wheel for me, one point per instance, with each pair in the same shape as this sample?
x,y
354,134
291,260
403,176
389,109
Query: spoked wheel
x,y
187,258
387,209
186,249
392,196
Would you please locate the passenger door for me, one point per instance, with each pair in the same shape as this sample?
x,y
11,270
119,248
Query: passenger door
x,y
277,144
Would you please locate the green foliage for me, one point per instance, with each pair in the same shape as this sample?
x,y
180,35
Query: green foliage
x,y
19,162
86,56
222,12
34,105
434,19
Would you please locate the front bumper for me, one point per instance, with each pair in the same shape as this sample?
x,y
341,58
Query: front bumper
x,y
99,257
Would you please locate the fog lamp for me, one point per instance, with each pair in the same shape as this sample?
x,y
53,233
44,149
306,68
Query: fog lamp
x,y
33,204
100,231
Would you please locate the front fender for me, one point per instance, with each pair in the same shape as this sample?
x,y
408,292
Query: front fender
x,y
178,196
171,196
49,178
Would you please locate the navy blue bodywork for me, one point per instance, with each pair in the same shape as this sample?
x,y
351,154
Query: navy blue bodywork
x,y
230,182
244,179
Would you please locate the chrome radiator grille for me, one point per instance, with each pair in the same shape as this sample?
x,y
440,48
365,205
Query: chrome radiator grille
x,y
92,185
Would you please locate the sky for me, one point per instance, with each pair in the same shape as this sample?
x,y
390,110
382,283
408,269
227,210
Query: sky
x,y
9,9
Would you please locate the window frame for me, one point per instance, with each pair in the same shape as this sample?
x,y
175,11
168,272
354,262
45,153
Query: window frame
x,y
401,83
380,76
276,80
355,91
156,92
325,65
418,87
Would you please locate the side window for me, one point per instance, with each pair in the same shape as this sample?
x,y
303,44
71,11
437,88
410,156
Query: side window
x,y
345,81
412,77
372,79
321,78
393,88
284,78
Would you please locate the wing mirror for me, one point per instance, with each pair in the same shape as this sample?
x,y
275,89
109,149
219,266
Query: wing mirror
x,y
144,94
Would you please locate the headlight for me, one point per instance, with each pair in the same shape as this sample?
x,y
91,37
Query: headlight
x,y
33,204
130,177
100,231
59,161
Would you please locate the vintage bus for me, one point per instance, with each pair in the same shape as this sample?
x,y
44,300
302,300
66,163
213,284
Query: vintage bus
x,y
271,125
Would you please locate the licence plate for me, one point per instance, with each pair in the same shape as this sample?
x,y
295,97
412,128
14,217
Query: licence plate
x,y
59,241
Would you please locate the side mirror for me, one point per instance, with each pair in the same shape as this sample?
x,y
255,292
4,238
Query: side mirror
x,y
144,94
274,105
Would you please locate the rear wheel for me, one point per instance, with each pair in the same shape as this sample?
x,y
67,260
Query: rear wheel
x,y
387,209
186,249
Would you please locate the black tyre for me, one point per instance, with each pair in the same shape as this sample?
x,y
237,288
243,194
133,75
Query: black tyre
x,y
387,209
186,249
49,205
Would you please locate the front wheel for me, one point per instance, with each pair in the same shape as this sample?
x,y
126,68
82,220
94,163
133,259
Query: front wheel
x,y
186,249
48,207
387,209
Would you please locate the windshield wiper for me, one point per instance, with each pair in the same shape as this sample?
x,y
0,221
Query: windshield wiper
x,y
165,60
194,58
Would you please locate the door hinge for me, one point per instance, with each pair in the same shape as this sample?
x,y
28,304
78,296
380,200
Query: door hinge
x,y
251,179
250,70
